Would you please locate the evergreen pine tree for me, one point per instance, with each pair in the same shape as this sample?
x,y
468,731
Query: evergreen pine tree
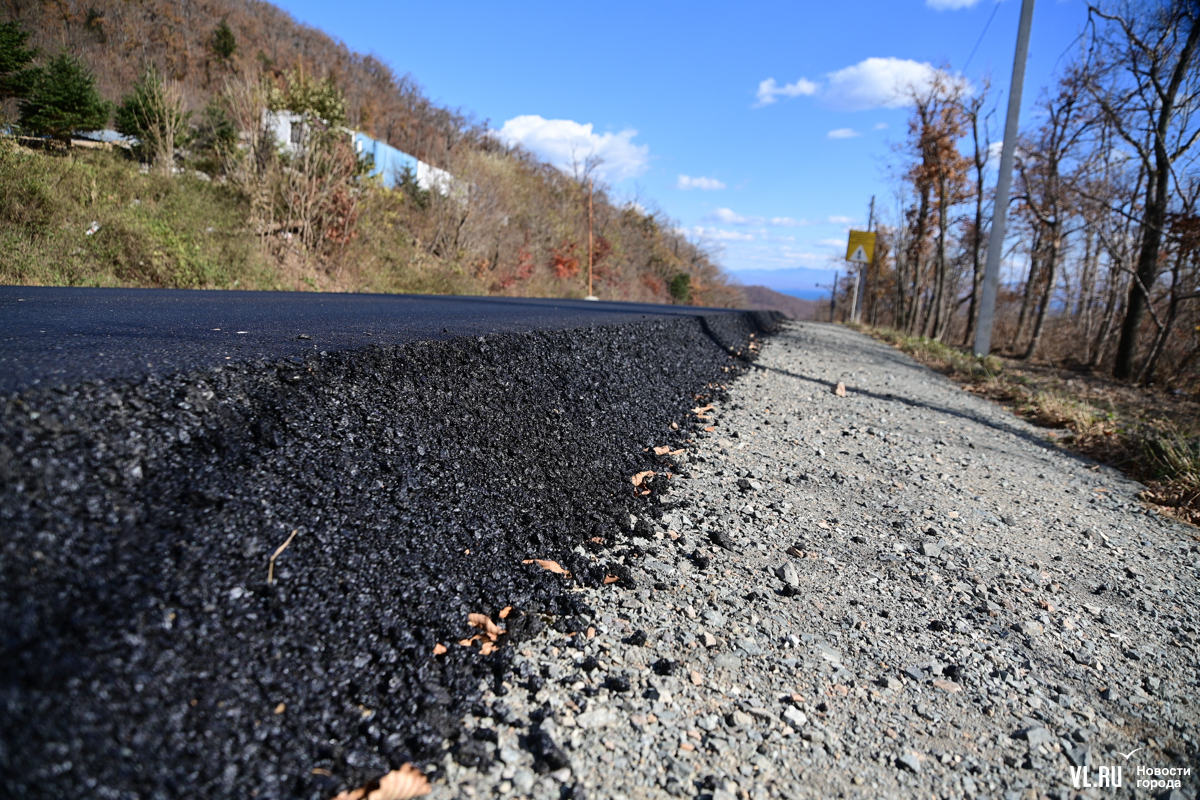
x,y
16,74
224,44
63,99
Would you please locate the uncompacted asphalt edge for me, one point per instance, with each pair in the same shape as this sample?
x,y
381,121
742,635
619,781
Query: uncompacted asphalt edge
x,y
387,492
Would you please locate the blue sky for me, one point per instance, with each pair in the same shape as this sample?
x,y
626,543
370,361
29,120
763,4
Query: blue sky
x,y
762,128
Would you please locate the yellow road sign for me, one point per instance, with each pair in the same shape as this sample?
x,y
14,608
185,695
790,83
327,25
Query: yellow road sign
x,y
861,247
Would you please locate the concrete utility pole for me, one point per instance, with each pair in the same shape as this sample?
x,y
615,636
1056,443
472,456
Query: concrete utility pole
x,y
991,274
590,295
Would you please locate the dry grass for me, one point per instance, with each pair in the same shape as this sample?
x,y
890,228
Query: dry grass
x,y
1150,434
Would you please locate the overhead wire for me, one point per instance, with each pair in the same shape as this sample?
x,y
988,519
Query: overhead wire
x,y
975,49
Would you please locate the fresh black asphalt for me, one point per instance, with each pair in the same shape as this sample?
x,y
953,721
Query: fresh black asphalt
x,y
63,335
143,653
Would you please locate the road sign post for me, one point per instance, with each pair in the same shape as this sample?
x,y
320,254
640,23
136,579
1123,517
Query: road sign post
x,y
860,248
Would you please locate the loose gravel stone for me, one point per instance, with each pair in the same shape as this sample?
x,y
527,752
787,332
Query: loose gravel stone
x,y
958,579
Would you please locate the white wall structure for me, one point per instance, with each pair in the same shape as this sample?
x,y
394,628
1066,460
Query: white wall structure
x,y
287,128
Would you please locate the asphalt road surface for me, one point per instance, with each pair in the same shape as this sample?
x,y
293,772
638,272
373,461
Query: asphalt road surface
x,y
249,577
63,335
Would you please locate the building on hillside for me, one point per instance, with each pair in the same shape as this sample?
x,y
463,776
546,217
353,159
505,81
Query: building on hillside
x,y
388,163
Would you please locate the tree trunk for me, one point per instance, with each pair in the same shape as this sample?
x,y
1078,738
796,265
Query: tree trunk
x,y
1051,270
1157,196
1027,302
1147,270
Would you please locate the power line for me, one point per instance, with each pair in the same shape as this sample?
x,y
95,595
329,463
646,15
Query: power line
x,y
975,49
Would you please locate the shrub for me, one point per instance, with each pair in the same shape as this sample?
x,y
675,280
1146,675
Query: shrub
x,y
153,112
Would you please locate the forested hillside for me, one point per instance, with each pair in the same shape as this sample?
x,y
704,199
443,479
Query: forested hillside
x,y
520,227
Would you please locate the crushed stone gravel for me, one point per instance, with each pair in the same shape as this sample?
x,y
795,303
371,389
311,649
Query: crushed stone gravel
x,y
900,592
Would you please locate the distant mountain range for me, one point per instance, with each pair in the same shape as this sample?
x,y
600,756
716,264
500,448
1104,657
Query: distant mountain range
x,y
761,298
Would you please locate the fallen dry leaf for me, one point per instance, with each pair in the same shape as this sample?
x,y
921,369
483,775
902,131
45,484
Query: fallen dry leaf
x,y
468,642
549,566
438,649
504,612
661,451
710,429
641,476
279,709
597,540
486,649
611,579
399,784
482,621
840,389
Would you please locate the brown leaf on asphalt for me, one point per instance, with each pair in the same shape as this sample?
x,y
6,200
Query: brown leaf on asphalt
x,y
641,476
661,451
399,784
468,642
549,566
710,429
611,579
486,649
840,389
438,649
482,621
504,612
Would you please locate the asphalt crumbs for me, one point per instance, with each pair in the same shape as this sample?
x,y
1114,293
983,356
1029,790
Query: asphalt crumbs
x,y
143,652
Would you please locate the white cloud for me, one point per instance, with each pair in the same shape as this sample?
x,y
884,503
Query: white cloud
x,y
719,235
880,126
687,182
565,143
843,133
769,90
731,217
950,5
785,222
836,220
832,242
871,83
877,83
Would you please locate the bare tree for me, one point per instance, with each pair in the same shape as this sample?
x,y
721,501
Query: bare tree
x,y
1148,86
972,110
1046,195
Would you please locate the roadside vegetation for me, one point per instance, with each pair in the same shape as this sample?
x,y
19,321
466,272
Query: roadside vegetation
x,y
206,197
1150,434
1101,255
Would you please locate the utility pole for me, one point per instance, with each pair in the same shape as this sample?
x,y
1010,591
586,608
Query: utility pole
x,y
991,275
833,295
590,295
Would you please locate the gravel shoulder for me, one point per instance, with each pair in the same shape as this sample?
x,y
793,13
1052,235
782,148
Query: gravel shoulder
x,y
900,592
